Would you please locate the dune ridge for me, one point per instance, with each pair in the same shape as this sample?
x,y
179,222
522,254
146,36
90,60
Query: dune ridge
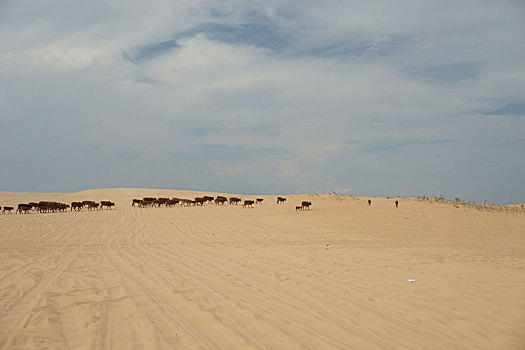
x,y
268,277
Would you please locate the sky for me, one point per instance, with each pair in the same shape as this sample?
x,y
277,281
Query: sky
x,y
375,98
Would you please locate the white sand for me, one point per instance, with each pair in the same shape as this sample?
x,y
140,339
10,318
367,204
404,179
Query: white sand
x,y
224,277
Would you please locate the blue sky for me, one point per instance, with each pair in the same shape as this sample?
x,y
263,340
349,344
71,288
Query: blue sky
x,y
265,97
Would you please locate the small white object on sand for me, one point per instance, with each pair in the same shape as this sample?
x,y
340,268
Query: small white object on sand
x,y
411,280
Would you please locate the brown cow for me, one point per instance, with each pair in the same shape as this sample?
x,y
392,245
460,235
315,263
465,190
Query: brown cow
x,y
248,203
186,202
200,201
234,200
298,208
8,209
220,200
76,206
397,204
22,207
33,205
107,204
306,205
369,202
87,203
172,202
259,201
281,200
93,206
135,201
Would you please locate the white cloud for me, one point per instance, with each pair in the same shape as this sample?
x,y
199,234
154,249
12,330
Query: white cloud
x,y
349,96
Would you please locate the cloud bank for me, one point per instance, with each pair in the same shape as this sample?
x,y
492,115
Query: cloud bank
x,y
268,97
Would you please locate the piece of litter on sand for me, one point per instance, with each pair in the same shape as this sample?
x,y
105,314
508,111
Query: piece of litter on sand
x,y
411,280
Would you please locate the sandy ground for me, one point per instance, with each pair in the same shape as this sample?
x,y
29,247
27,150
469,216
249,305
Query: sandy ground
x,y
268,277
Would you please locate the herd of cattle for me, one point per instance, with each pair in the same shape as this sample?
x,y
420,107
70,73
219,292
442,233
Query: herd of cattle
x,y
47,207
52,207
199,201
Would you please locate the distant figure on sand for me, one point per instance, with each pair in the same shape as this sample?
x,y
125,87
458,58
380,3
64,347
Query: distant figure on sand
x,y
369,202
397,204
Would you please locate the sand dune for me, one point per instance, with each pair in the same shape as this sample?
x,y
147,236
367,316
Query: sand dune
x,y
268,277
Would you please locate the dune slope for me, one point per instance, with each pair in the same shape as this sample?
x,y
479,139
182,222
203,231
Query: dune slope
x,y
268,277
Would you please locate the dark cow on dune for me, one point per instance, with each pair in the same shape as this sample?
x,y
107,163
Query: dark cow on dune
x,y
8,209
33,205
93,206
186,202
87,203
397,204
63,207
259,201
76,206
281,200
220,200
161,201
107,204
172,202
208,199
135,201
298,208
44,206
200,201
149,199
369,202
306,205
23,207
248,203
234,200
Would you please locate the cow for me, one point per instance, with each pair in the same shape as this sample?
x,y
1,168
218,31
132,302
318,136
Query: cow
x,y
23,207
200,201
8,209
281,200
248,203
397,204
306,205
76,206
33,205
87,203
107,204
369,202
208,199
135,201
62,206
172,202
220,200
234,200
93,206
161,201
43,206
259,201
186,202
298,208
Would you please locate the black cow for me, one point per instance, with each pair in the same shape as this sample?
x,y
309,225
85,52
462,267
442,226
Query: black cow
x,y
306,205
248,203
